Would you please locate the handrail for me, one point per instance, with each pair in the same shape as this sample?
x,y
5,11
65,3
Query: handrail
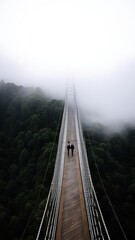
x,y
48,224
97,226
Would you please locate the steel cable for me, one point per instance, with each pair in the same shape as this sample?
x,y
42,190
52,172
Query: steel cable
x,y
44,179
110,203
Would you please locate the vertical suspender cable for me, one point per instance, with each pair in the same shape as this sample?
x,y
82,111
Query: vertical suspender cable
x,y
53,201
92,205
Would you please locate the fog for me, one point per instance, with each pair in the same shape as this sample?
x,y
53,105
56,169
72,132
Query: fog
x,y
46,43
109,99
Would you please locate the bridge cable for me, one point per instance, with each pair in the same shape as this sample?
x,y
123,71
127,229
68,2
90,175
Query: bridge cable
x,y
89,191
110,203
44,179
52,205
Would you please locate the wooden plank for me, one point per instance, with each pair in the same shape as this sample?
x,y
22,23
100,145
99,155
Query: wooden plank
x,y
72,220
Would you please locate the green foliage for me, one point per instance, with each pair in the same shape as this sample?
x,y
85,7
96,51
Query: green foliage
x,y
28,125
115,160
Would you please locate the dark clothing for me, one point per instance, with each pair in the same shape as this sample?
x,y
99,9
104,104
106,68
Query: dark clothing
x,y
68,147
72,149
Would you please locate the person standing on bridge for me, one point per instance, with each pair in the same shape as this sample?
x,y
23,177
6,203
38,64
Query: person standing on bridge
x,y
72,149
68,147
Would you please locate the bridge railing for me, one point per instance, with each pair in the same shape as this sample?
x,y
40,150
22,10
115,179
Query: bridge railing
x,y
47,228
48,225
95,218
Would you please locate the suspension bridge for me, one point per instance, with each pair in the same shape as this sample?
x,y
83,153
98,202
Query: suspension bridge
x,y
72,211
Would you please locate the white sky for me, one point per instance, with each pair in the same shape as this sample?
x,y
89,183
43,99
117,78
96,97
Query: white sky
x,y
46,42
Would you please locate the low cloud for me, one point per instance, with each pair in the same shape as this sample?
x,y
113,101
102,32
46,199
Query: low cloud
x,y
109,99
47,43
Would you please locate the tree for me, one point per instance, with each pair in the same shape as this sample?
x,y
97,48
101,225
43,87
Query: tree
x,y
28,124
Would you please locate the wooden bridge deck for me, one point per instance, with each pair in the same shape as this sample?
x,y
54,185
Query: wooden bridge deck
x,y
72,220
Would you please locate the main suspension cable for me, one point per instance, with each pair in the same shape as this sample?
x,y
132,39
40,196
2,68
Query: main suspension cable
x,y
44,178
110,203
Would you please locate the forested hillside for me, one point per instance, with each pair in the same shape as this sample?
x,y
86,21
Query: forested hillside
x,y
113,158
29,124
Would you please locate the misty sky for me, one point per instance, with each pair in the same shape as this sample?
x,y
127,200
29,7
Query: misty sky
x,y
46,43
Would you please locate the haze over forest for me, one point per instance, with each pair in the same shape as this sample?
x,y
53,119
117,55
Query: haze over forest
x,y
47,43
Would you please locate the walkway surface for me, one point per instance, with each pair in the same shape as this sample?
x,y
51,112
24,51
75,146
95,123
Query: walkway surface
x,y
72,220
